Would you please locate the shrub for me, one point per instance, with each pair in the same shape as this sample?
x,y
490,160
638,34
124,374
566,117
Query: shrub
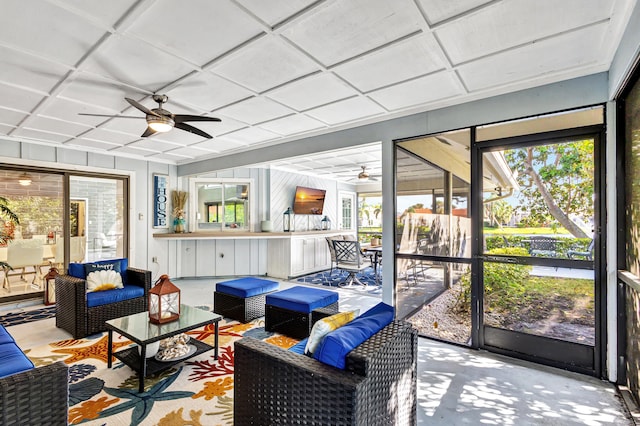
x,y
503,282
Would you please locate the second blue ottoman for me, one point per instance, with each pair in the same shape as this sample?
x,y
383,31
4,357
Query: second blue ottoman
x,y
293,311
242,299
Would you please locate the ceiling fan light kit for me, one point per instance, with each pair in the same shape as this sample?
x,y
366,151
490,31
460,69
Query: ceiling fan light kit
x,y
363,176
159,120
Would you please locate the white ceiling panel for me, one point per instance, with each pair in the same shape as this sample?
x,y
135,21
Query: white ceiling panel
x,y
130,150
11,117
168,157
190,151
105,12
574,49
136,63
412,58
439,10
25,132
68,111
178,137
153,145
215,28
256,110
20,99
41,28
29,71
293,124
313,91
264,64
217,145
5,129
56,126
275,11
207,92
345,111
92,144
95,90
344,29
521,21
249,135
423,90
109,136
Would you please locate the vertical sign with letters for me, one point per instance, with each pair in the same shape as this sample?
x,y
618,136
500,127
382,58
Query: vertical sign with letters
x,y
160,201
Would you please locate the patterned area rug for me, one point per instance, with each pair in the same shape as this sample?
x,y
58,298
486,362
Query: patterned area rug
x,y
197,392
334,278
16,318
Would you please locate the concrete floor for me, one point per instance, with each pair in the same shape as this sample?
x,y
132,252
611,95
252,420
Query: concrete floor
x,y
456,386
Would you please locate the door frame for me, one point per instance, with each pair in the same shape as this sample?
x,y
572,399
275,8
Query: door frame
x,y
541,349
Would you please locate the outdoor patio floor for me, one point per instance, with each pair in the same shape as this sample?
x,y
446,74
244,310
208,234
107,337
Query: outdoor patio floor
x,y
456,385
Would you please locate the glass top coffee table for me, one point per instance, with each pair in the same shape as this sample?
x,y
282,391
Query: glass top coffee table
x,y
142,332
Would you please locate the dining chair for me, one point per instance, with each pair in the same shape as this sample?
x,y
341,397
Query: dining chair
x,y
22,254
349,258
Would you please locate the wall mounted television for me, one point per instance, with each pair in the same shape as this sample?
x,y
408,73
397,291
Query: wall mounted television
x,y
308,200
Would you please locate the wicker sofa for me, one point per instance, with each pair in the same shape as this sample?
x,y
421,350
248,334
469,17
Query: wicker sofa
x,y
75,316
378,387
28,395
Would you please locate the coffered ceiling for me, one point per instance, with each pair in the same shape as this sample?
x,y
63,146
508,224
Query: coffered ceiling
x,y
276,70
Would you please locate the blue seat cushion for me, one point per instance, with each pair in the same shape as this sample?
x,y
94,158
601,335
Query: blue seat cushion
x,y
298,348
5,337
99,298
246,287
336,345
79,270
302,299
13,360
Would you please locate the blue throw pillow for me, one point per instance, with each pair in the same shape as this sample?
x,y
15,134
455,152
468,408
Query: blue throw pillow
x,y
336,345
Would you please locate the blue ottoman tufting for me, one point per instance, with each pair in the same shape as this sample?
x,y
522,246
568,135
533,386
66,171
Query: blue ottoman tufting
x,y
242,299
293,311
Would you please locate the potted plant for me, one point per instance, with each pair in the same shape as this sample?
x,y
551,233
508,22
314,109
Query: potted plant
x,y
376,240
10,220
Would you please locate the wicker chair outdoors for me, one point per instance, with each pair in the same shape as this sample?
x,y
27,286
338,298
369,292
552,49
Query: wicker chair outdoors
x,y
73,315
273,386
39,396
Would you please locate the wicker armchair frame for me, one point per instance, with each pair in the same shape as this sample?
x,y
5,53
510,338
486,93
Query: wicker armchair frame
x,y
73,315
273,386
292,323
39,396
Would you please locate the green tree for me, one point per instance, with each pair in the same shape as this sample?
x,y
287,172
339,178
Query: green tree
x,y
501,212
556,182
9,221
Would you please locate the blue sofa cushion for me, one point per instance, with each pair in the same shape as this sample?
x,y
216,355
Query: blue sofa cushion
x,y
299,347
79,270
246,287
13,360
336,345
5,337
99,298
302,299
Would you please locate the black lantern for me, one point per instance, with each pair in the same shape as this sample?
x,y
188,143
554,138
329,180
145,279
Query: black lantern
x,y
325,223
50,286
288,220
164,301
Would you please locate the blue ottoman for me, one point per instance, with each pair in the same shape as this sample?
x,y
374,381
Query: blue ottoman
x,y
242,299
293,311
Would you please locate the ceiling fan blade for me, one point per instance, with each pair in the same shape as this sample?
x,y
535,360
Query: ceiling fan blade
x,y
105,115
148,132
141,107
181,118
191,129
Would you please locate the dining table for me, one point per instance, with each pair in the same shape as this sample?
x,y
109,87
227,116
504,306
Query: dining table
x,y
375,254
